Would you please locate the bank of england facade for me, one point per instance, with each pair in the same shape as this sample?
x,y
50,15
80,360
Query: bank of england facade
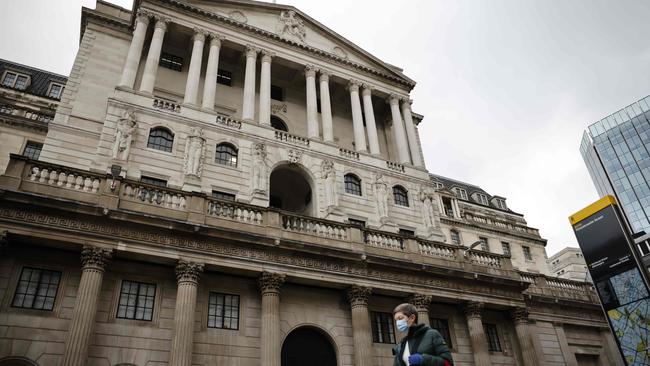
x,y
233,183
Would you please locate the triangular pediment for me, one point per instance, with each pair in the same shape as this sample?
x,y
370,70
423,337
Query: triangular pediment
x,y
294,25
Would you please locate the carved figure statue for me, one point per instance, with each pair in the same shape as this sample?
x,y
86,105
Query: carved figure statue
x,y
259,167
381,196
194,152
427,198
124,131
329,177
291,25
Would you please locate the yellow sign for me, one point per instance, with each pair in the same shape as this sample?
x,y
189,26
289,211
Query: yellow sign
x,y
592,209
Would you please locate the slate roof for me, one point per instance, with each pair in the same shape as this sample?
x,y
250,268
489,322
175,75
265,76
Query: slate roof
x,y
469,188
40,79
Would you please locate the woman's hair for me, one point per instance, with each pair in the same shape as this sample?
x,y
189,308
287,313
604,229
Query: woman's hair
x,y
406,309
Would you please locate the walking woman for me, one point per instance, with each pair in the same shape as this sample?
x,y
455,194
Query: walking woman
x,y
422,345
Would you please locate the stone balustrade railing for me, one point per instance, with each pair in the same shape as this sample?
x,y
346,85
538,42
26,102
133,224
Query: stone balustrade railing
x,y
501,224
349,154
542,285
395,166
313,226
235,211
437,250
166,105
383,240
292,139
64,177
485,258
153,195
228,121
26,113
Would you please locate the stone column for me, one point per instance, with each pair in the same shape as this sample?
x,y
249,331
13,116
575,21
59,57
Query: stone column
x,y
326,106
210,86
473,312
357,118
135,50
93,261
410,132
269,285
611,348
371,126
153,57
421,303
312,111
187,275
398,129
248,109
194,72
567,354
361,330
520,317
265,88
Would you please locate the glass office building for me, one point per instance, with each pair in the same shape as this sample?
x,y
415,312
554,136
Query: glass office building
x,y
616,150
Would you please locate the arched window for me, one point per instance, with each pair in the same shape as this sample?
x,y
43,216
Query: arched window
x,y
455,237
278,124
401,196
226,154
161,139
352,184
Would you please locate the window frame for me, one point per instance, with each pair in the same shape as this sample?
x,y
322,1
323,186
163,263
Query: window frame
x,y
508,251
31,144
226,162
377,334
223,313
278,124
451,237
49,90
460,193
223,196
155,145
493,340
224,77
403,194
447,337
528,254
485,244
275,89
153,181
17,75
169,60
350,187
482,199
357,223
138,295
19,279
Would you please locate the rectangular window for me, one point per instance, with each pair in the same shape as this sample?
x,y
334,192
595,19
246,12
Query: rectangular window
x,y
462,194
21,82
153,181
171,62
382,327
223,311
224,77
9,79
358,223
449,209
482,199
136,300
492,337
527,254
455,237
15,80
33,150
55,91
405,232
501,204
36,289
442,326
223,196
484,244
277,93
506,248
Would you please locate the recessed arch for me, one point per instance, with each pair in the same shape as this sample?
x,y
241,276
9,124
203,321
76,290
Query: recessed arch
x,y
279,124
308,345
291,189
16,361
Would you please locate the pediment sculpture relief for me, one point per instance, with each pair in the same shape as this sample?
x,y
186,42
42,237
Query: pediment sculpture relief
x,y
291,26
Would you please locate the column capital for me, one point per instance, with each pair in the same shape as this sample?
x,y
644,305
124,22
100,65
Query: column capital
x,y
215,39
324,75
358,295
199,34
420,301
269,282
519,315
406,102
353,85
393,99
473,309
267,56
95,257
310,71
143,16
187,271
251,51
161,22
366,90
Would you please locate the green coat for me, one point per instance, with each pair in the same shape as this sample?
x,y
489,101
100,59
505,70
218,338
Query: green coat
x,y
429,343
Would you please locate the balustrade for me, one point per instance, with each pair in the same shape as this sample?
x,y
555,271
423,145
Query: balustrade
x,y
349,154
156,196
235,211
312,226
228,122
485,259
292,139
383,240
166,105
395,166
437,250
64,178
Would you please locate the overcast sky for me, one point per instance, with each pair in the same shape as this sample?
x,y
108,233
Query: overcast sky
x,y
506,86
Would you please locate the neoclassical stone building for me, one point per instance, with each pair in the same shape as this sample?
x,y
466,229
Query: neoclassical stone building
x,y
233,183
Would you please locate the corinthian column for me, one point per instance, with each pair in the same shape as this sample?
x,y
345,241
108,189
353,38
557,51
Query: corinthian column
x,y
265,88
194,72
248,109
361,331
421,303
210,86
187,275
153,57
357,118
93,261
371,126
520,317
410,132
398,129
269,285
312,108
135,50
473,312
326,106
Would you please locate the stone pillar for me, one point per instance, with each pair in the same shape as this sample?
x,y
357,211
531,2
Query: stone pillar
x,y
269,285
135,50
194,72
248,109
361,330
398,129
371,126
312,111
265,89
357,118
473,312
520,317
326,107
610,347
567,354
93,261
187,275
210,86
410,132
421,303
153,57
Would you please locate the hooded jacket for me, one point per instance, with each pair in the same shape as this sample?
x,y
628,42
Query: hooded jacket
x,y
426,341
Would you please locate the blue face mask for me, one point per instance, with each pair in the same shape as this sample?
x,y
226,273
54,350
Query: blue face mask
x,y
402,325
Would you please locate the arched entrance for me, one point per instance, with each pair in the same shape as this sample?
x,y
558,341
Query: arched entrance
x,y
17,361
307,346
290,190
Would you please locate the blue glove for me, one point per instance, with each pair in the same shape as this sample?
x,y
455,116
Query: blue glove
x,y
416,359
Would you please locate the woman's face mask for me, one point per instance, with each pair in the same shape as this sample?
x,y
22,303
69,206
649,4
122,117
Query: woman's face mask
x,y
403,322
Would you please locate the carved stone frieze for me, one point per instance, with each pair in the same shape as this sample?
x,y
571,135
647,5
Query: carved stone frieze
x,y
95,257
269,282
277,108
295,156
187,271
290,26
358,295
238,16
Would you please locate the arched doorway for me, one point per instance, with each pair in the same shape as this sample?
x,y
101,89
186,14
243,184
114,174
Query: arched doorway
x,y
290,190
17,361
307,346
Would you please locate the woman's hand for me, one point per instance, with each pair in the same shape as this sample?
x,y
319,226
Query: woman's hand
x,y
416,359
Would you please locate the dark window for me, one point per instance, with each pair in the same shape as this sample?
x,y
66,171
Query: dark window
x,y
226,154
405,232
318,105
527,254
484,244
359,223
223,196
278,124
352,184
36,289
153,181
223,311
136,300
21,82
9,79
171,62
455,237
442,326
492,337
224,77
33,150
55,91
160,139
277,93
446,203
506,248
382,327
401,196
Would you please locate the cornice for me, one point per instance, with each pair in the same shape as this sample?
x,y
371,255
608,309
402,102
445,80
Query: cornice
x,y
23,123
91,14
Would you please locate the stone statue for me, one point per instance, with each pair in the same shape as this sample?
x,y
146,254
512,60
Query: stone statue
x,y
259,168
329,178
291,25
124,133
194,152
426,197
381,196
